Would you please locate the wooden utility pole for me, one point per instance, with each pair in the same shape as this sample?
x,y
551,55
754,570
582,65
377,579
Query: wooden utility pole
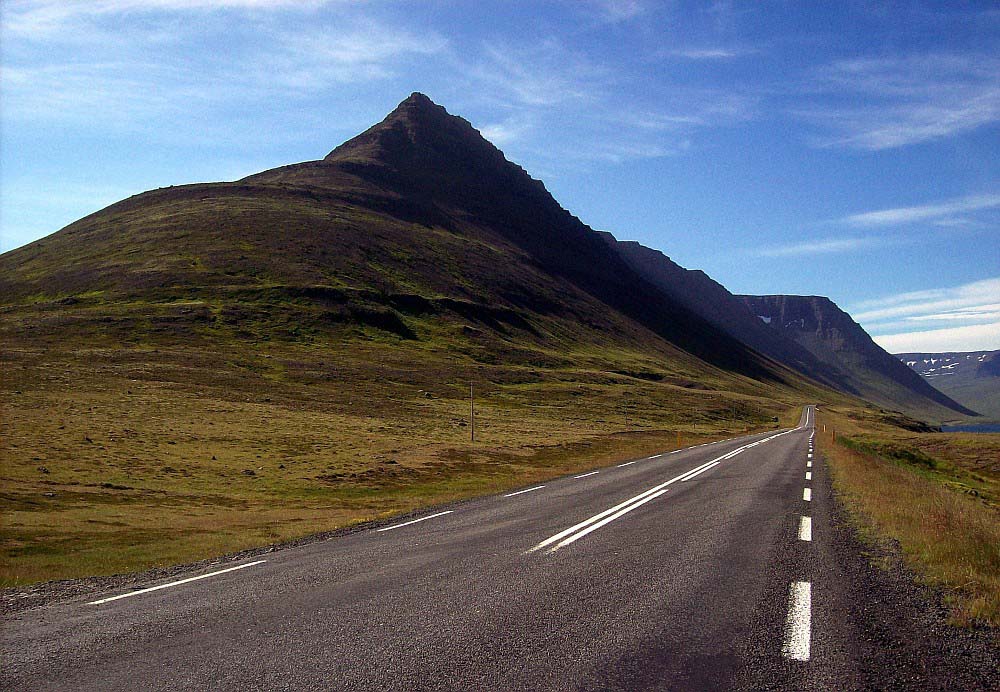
x,y
472,414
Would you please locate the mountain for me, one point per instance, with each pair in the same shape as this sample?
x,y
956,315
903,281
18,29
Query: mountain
x,y
870,376
829,333
712,301
444,172
421,230
416,242
970,377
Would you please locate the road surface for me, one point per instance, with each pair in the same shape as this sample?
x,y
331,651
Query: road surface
x,y
698,569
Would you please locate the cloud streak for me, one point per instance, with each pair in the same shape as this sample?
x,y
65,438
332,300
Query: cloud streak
x,y
878,104
979,337
137,76
943,213
819,247
960,318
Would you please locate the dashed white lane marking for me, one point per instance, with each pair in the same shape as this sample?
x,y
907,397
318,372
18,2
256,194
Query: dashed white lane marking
x,y
809,464
415,521
527,490
809,475
584,475
805,528
799,624
627,463
807,494
810,456
176,583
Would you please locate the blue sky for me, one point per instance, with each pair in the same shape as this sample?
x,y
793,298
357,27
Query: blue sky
x,y
847,149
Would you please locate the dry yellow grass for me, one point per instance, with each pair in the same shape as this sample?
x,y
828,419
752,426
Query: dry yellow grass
x,y
949,537
115,461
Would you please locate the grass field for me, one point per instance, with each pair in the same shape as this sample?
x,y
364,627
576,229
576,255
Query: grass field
x,y
934,493
119,459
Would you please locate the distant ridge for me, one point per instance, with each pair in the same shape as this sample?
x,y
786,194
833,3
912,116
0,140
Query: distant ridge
x,y
830,348
969,377
830,334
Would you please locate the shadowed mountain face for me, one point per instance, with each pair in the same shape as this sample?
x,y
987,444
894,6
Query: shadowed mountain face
x,y
710,299
837,352
829,333
440,164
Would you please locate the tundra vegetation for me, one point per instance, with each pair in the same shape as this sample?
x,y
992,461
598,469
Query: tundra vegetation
x,y
935,494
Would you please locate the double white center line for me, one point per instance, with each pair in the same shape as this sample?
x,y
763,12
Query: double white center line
x,y
578,531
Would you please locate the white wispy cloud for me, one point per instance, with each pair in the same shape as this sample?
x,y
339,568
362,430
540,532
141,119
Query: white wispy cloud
x,y
40,19
943,213
619,10
885,103
818,247
509,130
979,337
958,318
98,69
708,53
540,75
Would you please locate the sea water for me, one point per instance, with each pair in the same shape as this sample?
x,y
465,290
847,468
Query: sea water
x,y
984,428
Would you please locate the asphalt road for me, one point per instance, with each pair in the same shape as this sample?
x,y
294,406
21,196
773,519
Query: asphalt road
x,y
689,570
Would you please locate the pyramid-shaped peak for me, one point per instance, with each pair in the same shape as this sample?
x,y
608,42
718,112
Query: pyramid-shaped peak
x,y
417,123
428,147
418,100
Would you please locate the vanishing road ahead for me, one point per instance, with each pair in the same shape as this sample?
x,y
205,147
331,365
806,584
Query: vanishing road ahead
x,y
703,568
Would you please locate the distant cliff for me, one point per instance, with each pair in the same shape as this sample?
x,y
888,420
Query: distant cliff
x,y
829,333
970,377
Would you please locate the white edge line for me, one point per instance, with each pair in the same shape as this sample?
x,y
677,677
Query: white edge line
x,y
627,463
528,490
584,475
407,523
176,583
598,517
616,508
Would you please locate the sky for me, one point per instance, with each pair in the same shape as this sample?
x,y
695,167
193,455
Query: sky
x,y
846,149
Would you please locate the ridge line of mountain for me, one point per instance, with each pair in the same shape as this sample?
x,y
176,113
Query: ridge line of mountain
x,y
421,203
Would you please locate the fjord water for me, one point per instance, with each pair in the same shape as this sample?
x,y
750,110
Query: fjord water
x,y
983,428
